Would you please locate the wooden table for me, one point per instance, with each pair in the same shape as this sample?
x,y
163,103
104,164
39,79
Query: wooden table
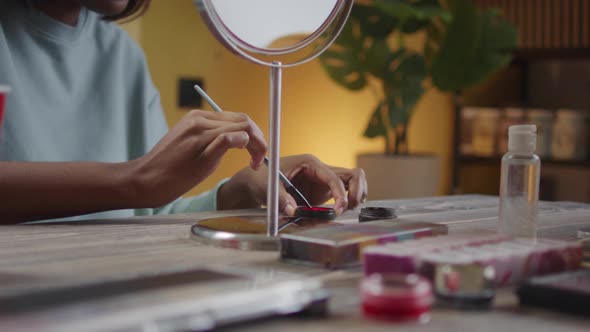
x,y
66,253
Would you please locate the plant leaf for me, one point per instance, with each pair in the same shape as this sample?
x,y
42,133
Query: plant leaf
x,y
376,57
373,21
405,70
476,45
414,14
435,34
398,9
376,126
404,87
361,49
343,61
401,105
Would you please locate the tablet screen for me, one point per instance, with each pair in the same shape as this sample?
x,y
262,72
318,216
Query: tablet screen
x,y
41,299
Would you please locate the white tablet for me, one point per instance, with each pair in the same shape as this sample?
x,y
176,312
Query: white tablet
x,y
190,300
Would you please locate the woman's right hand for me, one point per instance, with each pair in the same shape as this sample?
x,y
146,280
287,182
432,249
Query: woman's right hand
x,y
191,151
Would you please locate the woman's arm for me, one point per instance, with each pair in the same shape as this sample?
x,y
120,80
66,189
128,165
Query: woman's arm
x,y
34,190
184,157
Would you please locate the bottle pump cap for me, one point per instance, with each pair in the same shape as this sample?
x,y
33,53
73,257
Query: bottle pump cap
x,y
522,138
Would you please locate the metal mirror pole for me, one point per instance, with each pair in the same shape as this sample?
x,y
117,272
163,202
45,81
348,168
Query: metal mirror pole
x,y
272,200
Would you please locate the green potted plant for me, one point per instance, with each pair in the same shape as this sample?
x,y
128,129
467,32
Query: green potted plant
x,y
462,47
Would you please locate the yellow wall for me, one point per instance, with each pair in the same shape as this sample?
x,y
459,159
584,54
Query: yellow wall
x,y
133,28
319,117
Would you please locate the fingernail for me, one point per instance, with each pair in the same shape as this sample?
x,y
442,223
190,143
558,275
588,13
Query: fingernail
x,y
340,210
255,166
289,209
339,207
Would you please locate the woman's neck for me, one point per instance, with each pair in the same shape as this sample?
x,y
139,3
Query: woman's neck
x,y
65,11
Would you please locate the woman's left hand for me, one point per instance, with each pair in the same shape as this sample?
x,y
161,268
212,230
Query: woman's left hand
x,y
317,181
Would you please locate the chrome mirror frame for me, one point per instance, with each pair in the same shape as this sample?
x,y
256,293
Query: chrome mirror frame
x,y
330,28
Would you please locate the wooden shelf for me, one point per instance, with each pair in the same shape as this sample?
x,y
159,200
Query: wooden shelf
x,y
496,160
526,55
516,79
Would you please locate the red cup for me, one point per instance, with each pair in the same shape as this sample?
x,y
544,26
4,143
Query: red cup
x,y
4,90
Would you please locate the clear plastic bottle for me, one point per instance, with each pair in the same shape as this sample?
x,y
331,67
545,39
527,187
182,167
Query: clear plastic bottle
x,y
519,183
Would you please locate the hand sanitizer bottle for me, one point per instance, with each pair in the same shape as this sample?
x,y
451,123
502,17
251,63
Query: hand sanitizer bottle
x,y
519,183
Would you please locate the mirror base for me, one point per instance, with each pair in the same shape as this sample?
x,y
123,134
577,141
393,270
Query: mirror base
x,y
248,232
240,232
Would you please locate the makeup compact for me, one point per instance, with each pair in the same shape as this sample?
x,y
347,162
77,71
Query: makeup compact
x,y
315,212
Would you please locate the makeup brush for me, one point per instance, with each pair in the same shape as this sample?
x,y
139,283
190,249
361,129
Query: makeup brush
x,y
289,187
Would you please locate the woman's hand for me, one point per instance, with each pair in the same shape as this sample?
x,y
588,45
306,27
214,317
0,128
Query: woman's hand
x,y
191,151
317,181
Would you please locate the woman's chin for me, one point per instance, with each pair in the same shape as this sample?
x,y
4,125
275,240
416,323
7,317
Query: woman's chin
x,y
106,7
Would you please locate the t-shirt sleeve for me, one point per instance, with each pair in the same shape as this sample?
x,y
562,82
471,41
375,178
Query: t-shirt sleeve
x,y
206,201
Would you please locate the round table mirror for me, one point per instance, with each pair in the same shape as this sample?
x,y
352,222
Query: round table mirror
x,y
277,34
289,32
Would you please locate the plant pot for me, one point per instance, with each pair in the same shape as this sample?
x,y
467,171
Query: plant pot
x,y
392,176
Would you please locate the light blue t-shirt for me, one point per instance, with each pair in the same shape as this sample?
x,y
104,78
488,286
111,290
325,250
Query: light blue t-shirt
x,y
80,93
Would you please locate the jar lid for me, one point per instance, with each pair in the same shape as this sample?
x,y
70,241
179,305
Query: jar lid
x,y
5,89
522,138
376,213
396,296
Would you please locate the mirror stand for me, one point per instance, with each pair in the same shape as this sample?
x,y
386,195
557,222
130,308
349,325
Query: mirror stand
x,y
276,77
238,25
227,231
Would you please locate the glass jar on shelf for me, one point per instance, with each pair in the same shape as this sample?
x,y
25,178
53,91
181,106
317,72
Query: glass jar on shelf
x,y
468,117
485,129
569,135
543,119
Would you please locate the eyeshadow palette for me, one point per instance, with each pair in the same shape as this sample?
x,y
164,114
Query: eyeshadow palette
x,y
403,257
337,246
513,260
